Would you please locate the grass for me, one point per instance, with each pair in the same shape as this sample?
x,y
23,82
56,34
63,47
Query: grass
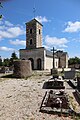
x,y
74,117
35,75
71,102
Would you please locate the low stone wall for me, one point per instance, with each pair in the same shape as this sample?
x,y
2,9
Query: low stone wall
x,y
65,69
22,69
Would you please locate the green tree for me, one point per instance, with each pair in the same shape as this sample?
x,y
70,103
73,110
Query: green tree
x,y
1,61
1,7
13,57
6,62
75,60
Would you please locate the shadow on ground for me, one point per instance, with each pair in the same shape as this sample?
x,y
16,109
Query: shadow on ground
x,y
8,76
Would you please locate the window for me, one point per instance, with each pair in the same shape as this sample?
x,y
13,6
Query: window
x,y
30,41
31,31
39,31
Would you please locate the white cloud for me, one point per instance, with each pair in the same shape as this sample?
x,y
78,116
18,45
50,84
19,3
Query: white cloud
x,y
18,42
0,38
11,32
1,22
8,23
76,39
5,34
8,30
54,41
6,49
72,27
46,46
42,19
3,27
16,31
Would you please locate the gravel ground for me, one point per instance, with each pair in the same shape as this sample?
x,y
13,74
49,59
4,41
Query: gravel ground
x,y
20,99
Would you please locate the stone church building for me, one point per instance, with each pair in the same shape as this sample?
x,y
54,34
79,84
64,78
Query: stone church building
x,y
41,59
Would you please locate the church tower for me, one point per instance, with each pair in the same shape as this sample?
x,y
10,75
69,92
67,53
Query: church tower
x,y
33,34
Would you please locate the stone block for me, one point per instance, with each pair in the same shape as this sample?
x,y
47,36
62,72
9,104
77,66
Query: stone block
x,y
69,74
22,69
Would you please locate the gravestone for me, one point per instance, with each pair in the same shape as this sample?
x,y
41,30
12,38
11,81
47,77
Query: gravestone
x,y
69,74
22,68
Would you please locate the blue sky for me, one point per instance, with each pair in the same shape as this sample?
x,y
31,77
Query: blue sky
x,y
60,19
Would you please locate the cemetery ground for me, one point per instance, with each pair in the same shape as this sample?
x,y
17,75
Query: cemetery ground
x,y
20,99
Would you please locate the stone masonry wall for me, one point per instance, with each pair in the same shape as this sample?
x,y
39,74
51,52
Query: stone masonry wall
x,y
34,54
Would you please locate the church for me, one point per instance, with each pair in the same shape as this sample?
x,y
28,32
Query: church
x,y
41,59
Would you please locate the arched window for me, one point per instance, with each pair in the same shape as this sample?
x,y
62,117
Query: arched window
x,y
39,64
32,63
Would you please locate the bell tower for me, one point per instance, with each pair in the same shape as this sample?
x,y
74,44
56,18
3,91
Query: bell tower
x,y
33,34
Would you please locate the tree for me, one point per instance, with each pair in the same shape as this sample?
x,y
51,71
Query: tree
x,y
1,61
6,62
13,57
75,60
1,7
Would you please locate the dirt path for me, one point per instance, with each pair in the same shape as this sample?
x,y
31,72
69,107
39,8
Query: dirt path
x,y
20,99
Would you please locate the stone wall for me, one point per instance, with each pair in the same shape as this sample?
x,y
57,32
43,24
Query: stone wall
x,y
35,35
48,63
34,54
38,36
63,59
31,25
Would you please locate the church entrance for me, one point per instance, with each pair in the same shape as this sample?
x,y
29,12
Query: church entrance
x,y
39,64
32,63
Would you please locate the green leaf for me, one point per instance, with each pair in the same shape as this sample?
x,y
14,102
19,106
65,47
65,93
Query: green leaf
x,y
0,16
1,5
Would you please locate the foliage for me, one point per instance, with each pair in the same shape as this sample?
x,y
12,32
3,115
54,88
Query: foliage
x,y
13,57
75,60
6,62
1,7
9,62
1,62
